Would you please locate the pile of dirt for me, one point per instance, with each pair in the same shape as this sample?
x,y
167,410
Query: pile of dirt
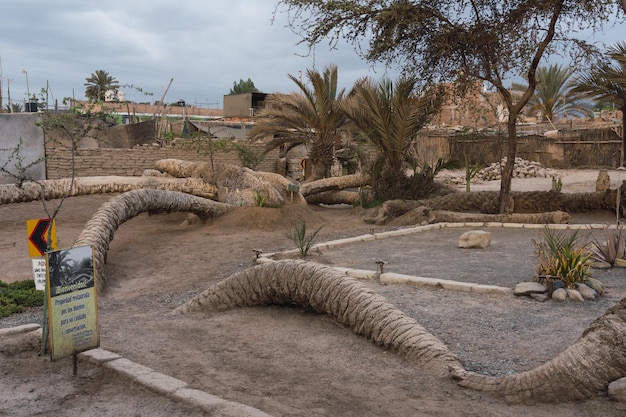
x,y
283,360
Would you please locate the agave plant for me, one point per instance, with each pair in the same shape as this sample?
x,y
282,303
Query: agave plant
x,y
561,256
611,248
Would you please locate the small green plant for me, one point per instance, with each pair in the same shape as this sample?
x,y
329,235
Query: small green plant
x,y
366,199
612,248
562,257
302,240
17,295
259,199
470,172
557,184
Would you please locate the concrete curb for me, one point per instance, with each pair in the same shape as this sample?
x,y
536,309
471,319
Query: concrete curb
x,y
399,279
171,387
159,383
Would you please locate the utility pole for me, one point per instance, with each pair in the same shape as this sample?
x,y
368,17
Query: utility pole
x,y
1,84
27,87
9,95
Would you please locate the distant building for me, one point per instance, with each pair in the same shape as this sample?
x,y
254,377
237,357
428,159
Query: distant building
x,y
243,105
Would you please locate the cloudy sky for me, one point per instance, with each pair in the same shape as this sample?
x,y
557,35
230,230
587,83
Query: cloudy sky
x,y
204,46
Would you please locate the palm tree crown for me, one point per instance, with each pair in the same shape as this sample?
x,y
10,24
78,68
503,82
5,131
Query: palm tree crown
x,y
389,116
310,116
98,84
607,82
555,94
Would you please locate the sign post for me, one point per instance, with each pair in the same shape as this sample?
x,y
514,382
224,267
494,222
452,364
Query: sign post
x,y
38,237
37,232
72,302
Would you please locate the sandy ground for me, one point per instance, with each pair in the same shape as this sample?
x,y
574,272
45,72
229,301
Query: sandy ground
x,y
286,361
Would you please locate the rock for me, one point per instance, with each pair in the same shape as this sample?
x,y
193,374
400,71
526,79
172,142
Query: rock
x,y
540,297
603,182
586,292
557,283
528,288
600,265
574,295
596,285
475,239
559,295
619,262
617,390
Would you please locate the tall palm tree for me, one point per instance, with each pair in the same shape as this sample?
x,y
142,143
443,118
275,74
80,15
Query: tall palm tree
x,y
98,84
554,94
389,116
607,82
310,116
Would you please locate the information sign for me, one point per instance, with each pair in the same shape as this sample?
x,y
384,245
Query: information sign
x,y
72,302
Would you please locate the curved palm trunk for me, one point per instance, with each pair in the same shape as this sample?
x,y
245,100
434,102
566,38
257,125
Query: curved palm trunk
x,y
580,372
99,230
51,189
328,291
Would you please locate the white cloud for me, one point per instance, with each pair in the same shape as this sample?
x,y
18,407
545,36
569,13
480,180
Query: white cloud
x,y
204,46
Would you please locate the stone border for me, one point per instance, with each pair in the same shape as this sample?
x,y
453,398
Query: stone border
x,y
392,278
161,384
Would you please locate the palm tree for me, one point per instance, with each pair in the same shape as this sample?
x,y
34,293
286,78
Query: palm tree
x,y
311,116
389,117
607,82
98,84
554,94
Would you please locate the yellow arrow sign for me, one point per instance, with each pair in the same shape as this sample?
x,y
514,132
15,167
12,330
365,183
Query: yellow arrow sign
x,y
37,230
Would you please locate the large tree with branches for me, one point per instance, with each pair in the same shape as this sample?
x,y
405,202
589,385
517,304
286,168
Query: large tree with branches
x,y
458,41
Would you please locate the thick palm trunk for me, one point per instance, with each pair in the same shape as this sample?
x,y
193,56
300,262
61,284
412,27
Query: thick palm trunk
x,y
527,202
99,230
51,189
334,197
328,291
580,372
333,184
234,185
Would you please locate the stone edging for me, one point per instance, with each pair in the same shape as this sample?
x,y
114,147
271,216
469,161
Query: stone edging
x,y
161,384
392,278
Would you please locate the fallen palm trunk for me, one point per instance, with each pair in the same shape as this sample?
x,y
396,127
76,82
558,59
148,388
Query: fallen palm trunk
x,y
328,291
334,197
235,185
99,230
51,189
527,202
418,216
333,183
580,372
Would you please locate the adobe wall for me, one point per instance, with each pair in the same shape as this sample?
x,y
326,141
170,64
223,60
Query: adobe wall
x,y
567,149
132,162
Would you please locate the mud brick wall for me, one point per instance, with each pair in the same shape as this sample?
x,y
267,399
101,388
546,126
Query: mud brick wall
x,y
132,162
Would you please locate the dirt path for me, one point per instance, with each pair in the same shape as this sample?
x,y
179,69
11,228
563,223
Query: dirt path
x,y
284,361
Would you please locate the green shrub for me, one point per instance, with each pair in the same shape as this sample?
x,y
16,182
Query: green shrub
x,y
17,295
302,240
259,199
